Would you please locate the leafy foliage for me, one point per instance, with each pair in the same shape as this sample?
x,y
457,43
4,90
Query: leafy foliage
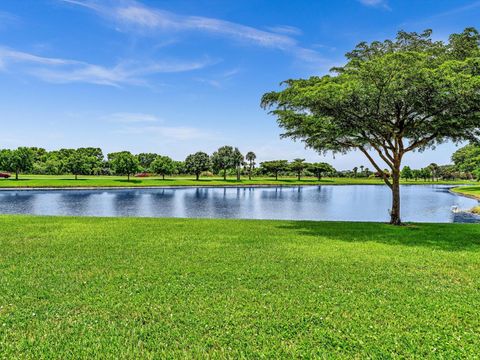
x,y
197,163
124,163
163,165
275,166
390,98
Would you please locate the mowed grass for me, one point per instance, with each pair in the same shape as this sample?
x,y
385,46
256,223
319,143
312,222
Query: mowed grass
x,y
473,191
65,181
170,288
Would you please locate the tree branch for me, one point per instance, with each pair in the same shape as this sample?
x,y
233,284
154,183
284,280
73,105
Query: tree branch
x,y
380,171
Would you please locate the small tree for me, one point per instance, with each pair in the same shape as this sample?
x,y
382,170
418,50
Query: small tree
x,y
390,98
77,164
321,168
163,165
124,163
94,160
416,173
298,166
251,163
146,159
407,173
425,173
223,159
447,172
180,167
275,166
476,172
238,161
197,163
20,160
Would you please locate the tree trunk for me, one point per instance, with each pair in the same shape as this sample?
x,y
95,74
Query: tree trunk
x,y
128,177
276,176
16,174
197,175
76,177
319,175
298,176
250,174
395,211
238,173
224,174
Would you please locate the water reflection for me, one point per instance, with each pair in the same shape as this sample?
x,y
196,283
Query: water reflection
x,y
423,203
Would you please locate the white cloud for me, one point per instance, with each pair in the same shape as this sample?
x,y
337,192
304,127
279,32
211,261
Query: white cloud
x,y
130,15
165,133
129,118
285,29
58,70
7,18
375,3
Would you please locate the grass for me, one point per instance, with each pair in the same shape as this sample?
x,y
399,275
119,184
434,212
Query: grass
x,y
472,191
170,288
45,181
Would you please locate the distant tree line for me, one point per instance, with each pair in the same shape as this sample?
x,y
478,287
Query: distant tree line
x,y
226,161
466,166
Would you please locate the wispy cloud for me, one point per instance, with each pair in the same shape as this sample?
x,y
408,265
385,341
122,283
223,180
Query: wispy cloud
x,y
131,118
376,3
285,29
130,15
59,70
218,80
7,18
165,133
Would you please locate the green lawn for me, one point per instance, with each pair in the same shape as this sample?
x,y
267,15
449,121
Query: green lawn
x,y
117,181
165,288
473,191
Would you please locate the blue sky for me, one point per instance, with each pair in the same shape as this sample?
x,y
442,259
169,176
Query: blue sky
x,y
175,77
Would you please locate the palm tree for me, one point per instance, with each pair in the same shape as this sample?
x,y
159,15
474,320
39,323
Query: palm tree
x,y
251,163
434,170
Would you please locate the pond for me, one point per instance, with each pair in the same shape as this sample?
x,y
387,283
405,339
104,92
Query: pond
x,y
420,203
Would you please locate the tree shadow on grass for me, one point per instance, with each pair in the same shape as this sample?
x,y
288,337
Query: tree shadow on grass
x,y
131,181
448,237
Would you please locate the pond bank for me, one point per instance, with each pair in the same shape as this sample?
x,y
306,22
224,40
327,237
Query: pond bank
x,y
472,192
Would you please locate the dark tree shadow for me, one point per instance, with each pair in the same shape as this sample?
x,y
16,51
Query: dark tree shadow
x,y
131,181
449,237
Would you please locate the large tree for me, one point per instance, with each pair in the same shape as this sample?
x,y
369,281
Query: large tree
x,y
390,98
197,163
77,164
298,166
146,159
467,158
320,169
124,163
163,165
223,159
20,160
275,166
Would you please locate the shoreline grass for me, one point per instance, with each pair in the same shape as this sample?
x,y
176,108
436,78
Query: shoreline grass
x,y
166,288
66,181
470,191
